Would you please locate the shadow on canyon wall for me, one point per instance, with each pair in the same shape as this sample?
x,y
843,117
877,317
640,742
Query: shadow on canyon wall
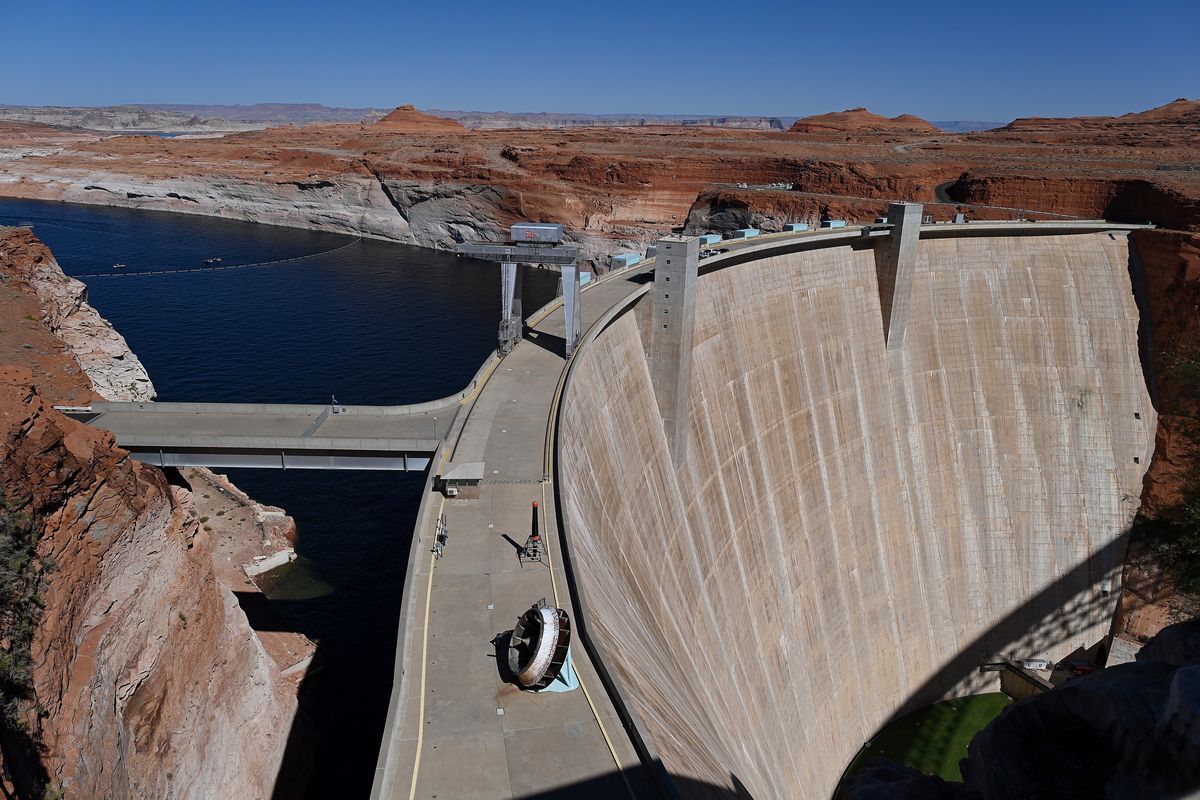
x,y
261,615
294,780
296,770
1045,621
1139,201
1132,200
297,767
1141,295
24,774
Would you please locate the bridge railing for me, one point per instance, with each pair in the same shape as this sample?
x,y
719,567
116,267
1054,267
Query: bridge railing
x,y
106,406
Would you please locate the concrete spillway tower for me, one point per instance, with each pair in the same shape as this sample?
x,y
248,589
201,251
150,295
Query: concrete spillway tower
x,y
673,310
895,260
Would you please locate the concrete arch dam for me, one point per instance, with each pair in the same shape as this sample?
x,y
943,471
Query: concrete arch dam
x,y
857,522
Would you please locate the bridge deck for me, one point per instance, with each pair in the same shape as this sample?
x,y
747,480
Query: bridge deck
x,y
296,436
299,426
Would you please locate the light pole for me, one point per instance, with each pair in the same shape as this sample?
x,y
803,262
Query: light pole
x,y
435,427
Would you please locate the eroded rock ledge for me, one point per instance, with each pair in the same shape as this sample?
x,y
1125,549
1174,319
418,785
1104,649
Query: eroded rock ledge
x,y
103,355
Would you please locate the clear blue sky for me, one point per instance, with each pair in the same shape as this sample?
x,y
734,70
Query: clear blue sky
x,y
940,60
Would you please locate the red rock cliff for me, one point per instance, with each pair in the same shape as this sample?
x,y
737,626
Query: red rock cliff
x,y
147,676
152,682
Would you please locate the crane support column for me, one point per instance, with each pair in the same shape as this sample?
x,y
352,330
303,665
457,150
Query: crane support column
x,y
529,243
570,283
511,318
510,284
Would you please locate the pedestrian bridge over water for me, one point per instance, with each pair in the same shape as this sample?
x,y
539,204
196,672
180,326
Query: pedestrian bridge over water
x,y
277,435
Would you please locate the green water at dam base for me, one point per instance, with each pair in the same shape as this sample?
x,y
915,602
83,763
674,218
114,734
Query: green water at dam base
x,y
934,739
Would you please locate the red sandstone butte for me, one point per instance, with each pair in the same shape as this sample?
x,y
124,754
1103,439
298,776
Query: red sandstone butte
x,y
859,120
406,119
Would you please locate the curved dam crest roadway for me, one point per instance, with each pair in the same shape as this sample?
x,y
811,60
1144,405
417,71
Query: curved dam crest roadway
x,y
853,531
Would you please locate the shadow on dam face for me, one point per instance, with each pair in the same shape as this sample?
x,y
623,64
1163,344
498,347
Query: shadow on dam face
x,y
855,530
1049,631
1029,627
612,785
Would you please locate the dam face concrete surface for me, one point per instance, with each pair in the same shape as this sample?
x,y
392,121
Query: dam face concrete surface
x,y
855,527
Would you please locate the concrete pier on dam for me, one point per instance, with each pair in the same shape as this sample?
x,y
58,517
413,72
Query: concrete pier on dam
x,y
864,470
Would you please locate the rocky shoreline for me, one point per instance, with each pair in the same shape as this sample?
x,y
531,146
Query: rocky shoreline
x,y
117,374
114,370
361,203
148,679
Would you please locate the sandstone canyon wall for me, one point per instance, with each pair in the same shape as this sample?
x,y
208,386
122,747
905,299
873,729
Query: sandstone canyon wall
x,y
147,679
416,178
1120,200
855,529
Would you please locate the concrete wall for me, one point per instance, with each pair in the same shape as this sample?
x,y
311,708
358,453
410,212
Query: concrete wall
x,y
855,528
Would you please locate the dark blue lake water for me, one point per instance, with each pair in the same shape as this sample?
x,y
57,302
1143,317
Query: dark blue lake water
x,y
368,321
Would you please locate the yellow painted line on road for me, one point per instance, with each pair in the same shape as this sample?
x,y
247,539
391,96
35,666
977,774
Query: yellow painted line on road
x,y
587,695
412,791
547,455
479,386
548,464
547,311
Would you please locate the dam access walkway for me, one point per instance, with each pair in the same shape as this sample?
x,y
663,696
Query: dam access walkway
x,y
455,728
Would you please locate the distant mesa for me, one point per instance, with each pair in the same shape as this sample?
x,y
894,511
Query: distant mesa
x,y
859,120
406,119
1181,111
1178,110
